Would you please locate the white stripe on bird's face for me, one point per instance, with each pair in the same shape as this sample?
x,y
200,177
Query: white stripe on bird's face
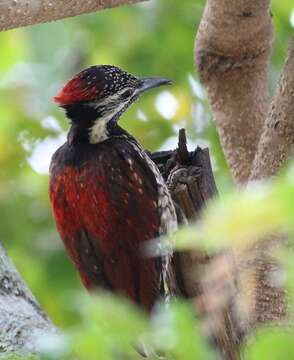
x,y
98,132
111,105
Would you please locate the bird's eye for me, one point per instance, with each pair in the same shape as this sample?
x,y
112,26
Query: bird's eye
x,y
127,94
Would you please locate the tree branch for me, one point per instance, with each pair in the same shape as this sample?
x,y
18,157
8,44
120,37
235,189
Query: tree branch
x,y
233,46
275,148
277,141
16,13
22,321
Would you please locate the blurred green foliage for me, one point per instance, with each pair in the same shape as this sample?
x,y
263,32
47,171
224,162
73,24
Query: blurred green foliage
x,y
154,38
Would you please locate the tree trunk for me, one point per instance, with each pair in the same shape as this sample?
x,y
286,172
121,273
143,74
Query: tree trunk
x,y
233,47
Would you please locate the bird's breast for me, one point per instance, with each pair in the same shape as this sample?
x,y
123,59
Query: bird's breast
x,y
105,200
109,192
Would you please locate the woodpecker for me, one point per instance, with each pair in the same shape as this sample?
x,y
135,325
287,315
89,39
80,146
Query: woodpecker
x,y
107,196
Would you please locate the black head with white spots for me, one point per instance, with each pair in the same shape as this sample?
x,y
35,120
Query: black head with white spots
x,y
95,98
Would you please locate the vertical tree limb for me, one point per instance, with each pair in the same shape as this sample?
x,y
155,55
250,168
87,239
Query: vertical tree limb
x,y
233,46
232,51
277,141
276,147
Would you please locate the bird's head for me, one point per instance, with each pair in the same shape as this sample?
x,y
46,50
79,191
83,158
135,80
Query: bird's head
x,y
95,98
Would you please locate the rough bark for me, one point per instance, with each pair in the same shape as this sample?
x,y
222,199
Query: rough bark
x,y
275,148
277,141
22,322
233,46
16,13
232,51
191,183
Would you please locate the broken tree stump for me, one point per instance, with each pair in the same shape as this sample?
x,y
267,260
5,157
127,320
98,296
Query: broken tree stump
x,y
191,182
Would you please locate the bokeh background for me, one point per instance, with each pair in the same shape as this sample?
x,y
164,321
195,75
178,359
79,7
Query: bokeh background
x,y
154,38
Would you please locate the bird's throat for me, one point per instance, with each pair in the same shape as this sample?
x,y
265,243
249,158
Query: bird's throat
x,y
93,125
92,132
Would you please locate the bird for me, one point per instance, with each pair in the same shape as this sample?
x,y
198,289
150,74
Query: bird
x,y
107,196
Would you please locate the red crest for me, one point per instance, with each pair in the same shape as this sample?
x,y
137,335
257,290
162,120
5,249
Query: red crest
x,y
83,87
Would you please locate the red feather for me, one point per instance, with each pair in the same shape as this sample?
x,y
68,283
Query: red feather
x,y
83,87
105,207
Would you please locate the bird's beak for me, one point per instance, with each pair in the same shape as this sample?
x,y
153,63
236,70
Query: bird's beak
x,y
150,83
